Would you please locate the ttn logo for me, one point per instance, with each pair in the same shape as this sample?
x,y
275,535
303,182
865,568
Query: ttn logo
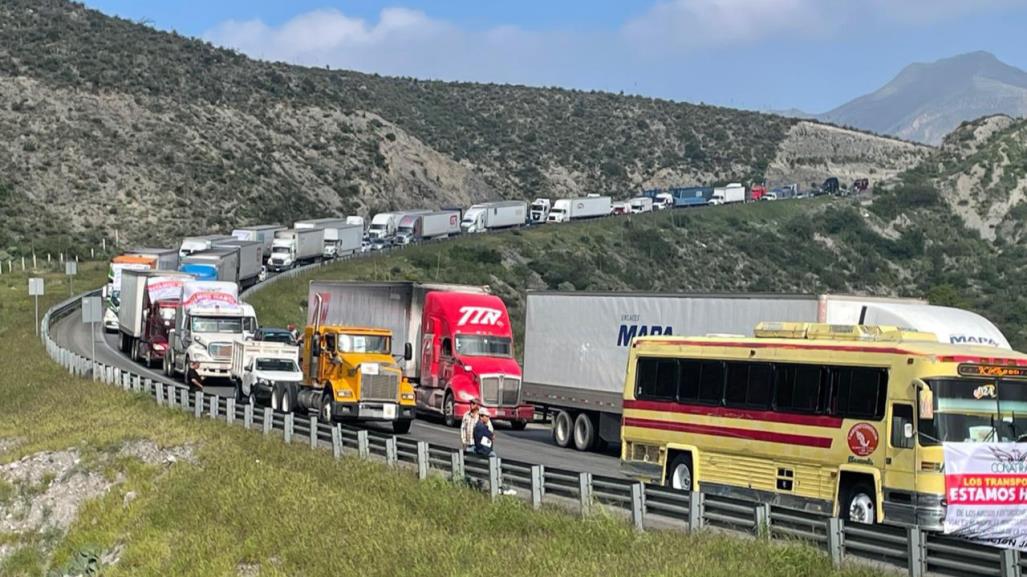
x,y
479,316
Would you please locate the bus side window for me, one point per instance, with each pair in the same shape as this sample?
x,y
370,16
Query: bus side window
x,y
656,379
901,415
711,383
858,392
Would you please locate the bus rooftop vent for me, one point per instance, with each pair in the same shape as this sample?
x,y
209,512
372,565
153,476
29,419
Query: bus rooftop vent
x,y
820,331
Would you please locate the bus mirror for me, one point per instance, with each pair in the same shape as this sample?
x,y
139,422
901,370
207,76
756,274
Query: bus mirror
x,y
907,430
926,401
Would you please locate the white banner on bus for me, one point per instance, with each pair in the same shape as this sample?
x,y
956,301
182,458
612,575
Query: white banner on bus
x,y
986,490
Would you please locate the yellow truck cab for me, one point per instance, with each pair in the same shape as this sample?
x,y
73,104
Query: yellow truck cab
x,y
350,374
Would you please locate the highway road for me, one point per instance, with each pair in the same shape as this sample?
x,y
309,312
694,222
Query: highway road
x,y
532,445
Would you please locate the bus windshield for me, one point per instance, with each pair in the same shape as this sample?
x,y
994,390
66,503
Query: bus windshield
x,y
483,346
976,411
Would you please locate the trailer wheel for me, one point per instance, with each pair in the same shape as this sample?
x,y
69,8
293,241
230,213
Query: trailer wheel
x,y
563,426
584,432
449,410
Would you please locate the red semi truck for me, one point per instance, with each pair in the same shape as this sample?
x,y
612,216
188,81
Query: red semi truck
x,y
149,300
460,336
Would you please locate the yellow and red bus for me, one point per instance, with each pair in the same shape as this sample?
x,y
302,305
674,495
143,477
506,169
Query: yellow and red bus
x,y
843,420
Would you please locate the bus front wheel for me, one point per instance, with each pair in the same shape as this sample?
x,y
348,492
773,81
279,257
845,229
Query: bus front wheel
x,y
679,473
859,506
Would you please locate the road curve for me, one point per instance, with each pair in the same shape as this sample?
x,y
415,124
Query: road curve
x,y
532,445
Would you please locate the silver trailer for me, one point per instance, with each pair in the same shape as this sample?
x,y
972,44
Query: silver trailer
x,y
191,244
223,260
262,233
251,259
576,347
340,237
167,258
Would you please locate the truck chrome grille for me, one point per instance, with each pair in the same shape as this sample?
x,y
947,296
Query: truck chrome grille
x,y
501,390
220,351
384,387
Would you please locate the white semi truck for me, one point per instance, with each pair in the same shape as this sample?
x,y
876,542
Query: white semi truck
x,y
384,225
494,215
292,247
258,365
576,344
340,237
568,209
729,194
210,318
263,233
428,225
540,210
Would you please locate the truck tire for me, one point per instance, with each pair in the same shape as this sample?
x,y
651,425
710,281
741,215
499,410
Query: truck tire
x,y
288,399
679,473
326,414
401,426
858,503
449,410
563,428
276,397
584,432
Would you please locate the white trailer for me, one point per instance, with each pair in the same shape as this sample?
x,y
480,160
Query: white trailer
x,y
263,233
641,204
355,220
729,194
338,235
258,365
494,215
167,258
293,247
434,224
191,244
568,209
250,261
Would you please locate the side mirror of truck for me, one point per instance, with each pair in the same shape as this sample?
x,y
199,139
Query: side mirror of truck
x,y
185,335
408,351
315,346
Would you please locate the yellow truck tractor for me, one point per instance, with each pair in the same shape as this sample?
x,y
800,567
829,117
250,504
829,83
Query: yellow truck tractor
x,y
349,374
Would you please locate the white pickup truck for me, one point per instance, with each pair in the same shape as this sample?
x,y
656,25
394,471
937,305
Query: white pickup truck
x,y
258,365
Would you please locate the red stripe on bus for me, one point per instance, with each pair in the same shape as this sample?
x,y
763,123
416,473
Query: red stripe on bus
x,y
750,415
753,345
749,434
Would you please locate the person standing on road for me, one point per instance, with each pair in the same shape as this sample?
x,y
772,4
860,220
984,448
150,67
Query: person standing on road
x,y
483,435
467,426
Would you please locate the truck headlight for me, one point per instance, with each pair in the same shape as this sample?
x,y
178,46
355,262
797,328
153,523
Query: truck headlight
x,y
199,353
407,396
466,397
344,393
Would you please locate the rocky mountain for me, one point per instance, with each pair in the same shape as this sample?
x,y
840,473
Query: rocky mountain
x,y
109,125
926,101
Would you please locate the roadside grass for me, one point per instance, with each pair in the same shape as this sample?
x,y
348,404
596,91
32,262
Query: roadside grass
x,y
249,504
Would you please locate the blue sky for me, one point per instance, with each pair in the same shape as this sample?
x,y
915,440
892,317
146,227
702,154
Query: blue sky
x,y
761,54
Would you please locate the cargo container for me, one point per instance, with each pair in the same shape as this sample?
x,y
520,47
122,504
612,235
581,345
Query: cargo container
x,y
164,258
111,291
729,194
568,209
218,263
340,237
576,344
191,244
429,225
494,215
456,341
251,260
263,233
293,247
147,312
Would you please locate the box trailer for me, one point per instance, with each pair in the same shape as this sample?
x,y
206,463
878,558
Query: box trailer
x,y
729,194
568,209
440,224
340,237
191,244
166,258
294,247
250,261
494,215
218,263
262,233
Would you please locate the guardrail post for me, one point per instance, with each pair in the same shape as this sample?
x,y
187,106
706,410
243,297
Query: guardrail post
x,y
247,416
337,441
215,407
363,446
638,506
390,451
456,464
538,486
287,431
917,552
696,510
763,520
172,394
494,474
836,540
269,419
585,493
313,432
422,460
198,404
126,381
230,410
185,400
1011,563
160,396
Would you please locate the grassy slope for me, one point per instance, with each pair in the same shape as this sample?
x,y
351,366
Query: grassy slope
x,y
248,500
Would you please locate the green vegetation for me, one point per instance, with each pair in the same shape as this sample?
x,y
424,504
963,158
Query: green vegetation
x,y
243,504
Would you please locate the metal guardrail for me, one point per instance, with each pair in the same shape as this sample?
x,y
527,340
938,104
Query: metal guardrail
x,y
919,553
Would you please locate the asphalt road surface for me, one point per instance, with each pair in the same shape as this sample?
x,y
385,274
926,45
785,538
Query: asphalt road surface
x,y
532,445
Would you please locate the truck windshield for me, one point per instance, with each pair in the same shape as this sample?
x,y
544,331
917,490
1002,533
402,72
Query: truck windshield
x,y
364,344
976,411
483,346
216,325
279,249
283,365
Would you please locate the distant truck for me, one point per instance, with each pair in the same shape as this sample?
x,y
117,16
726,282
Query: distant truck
x,y
251,260
259,368
494,215
568,209
456,341
429,225
729,194
539,210
293,247
682,197
576,345
384,225
163,258
191,244
641,204
211,317
111,292
148,304
217,263
340,237
756,193
263,233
